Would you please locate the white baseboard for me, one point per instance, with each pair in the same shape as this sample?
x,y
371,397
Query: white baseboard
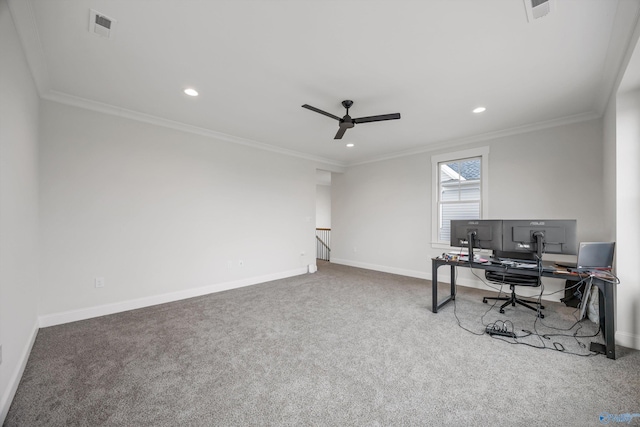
x,y
622,338
466,282
14,381
383,268
103,310
629,340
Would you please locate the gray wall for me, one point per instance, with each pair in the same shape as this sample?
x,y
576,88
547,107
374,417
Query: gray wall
x,y
323,206
18,209
381,212
161,212
163,215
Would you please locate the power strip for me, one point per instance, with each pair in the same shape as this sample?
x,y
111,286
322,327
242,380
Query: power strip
x,y
491,330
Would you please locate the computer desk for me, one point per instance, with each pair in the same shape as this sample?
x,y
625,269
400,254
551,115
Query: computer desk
x,y
606,294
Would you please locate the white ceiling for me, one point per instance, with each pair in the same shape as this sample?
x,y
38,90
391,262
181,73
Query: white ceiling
x,y
256,62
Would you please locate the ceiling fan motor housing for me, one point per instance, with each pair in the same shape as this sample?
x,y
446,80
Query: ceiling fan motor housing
x,y
347,122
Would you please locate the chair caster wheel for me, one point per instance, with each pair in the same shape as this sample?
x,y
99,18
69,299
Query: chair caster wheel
x,y
501,311
484,300
540,315
542,307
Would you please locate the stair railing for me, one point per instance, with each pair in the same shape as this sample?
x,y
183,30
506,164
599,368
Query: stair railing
x,y
323,240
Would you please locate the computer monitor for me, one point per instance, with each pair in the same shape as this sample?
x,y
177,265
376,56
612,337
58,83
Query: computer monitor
x,y
526,237
476,233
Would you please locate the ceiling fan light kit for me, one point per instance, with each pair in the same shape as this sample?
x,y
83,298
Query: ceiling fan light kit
x,y
347,122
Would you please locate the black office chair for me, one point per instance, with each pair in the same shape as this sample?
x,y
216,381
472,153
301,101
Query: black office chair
x,y
514,280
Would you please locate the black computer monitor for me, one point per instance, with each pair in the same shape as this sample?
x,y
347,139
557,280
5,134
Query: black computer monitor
x,y
476,233
526,237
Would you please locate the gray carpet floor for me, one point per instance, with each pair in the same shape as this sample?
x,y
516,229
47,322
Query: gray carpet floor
x,y
340,347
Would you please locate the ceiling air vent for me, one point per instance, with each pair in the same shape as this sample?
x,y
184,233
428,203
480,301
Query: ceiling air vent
x,y
101,25
538,8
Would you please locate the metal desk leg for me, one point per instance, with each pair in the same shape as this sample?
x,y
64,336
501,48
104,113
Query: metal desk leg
x,y
453,281
435,304
608,320
434,286
606,304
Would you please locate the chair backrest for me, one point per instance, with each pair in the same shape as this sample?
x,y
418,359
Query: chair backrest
x,y
512,279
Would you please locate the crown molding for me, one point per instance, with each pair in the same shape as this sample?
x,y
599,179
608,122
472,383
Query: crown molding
x,y
74,101
619,52
484,137
322,162
25,22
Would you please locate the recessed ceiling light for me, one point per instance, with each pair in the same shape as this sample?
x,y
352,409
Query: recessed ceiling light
x,y
351,144
191,92
479,110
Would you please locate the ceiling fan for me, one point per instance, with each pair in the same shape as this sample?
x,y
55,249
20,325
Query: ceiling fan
x,y
347,122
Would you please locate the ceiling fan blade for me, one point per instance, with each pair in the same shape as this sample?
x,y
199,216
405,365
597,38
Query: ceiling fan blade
x,y
380,118
341,132
317,110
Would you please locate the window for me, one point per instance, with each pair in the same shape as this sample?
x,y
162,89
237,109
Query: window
x,y
459,189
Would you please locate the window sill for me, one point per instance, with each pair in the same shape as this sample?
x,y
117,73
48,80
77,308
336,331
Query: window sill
x,y
440,245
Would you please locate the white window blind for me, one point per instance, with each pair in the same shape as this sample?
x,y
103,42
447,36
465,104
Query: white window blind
x,y
459,195
460,188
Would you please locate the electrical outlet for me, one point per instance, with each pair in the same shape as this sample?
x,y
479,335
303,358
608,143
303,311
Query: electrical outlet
x,y
99,282
240,263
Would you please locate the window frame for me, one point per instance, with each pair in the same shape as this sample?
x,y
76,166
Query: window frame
x,y
483,154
